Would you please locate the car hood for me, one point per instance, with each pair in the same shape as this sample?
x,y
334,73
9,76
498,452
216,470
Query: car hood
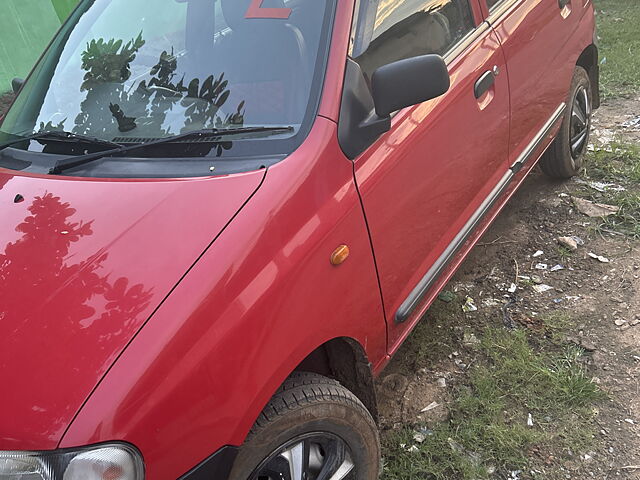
x,y
83,265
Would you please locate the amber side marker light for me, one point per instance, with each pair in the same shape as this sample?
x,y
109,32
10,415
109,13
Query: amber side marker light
x,y
339,255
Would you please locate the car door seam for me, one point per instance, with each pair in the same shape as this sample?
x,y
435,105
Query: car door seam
x,y
373,252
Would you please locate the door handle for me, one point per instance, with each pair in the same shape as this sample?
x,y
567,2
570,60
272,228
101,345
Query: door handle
x,y
563,3
484,83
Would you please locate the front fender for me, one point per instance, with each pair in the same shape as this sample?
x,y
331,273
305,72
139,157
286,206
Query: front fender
x,y
261,298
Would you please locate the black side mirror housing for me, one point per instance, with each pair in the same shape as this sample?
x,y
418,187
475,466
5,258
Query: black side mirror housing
x,y
409,82
366,114
16,84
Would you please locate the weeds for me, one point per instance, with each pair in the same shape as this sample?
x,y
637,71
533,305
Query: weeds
x,y
621,166
487,430
618,22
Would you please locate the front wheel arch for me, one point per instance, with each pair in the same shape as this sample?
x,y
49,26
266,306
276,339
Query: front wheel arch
x,y
344,359
589,60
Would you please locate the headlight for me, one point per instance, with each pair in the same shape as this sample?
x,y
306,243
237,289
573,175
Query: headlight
x,y
104,462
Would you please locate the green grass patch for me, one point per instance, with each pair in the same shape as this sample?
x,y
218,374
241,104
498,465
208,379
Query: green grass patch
x,y
487,431
619,45
620,166
433,338
556,326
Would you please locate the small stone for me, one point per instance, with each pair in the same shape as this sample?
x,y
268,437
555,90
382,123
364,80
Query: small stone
x,y
413,449
619,322
569,243
441,382
629,421
539,253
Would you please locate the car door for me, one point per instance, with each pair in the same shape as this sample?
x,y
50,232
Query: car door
x,y
535,38
425,181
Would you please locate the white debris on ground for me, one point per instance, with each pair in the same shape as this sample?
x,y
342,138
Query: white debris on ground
x,y
600,258
592,209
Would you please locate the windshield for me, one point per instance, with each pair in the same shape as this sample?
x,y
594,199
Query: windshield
x,y
139,70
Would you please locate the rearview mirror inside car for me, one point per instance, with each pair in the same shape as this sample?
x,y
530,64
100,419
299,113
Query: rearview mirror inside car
x,y
409,82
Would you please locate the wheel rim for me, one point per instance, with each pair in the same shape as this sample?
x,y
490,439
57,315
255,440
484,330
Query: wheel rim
x,y
580,122
315,456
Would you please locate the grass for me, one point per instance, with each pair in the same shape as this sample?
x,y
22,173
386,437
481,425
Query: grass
x,y
433,338
620,166
563,253
487,431
618,22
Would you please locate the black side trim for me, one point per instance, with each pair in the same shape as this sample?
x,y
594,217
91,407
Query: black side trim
x,y
216,467
418,293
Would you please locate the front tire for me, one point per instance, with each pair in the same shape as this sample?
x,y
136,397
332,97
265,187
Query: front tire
x,y
312,429
565,156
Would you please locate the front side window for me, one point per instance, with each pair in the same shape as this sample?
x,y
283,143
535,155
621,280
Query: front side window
x,y
137,70
392,30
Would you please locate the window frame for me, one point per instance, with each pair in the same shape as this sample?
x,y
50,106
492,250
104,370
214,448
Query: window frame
x,y
455,49
492,14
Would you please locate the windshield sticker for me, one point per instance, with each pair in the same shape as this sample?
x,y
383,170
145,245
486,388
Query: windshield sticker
x,y
256,10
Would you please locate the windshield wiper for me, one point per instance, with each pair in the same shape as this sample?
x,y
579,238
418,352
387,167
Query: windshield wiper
x,y
61,135
71,162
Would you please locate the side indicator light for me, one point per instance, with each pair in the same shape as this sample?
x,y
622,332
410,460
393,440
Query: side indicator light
x,y
339,255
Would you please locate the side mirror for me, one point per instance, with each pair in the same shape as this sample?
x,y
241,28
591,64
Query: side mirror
x,y
409,82
366,114
16,84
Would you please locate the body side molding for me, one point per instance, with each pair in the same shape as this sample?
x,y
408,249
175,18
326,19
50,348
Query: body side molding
x,y
421,289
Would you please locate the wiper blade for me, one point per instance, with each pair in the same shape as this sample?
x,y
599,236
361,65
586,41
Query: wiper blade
x,y
71,162
61,135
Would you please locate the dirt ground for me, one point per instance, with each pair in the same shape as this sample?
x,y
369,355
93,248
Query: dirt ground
x,y
602,297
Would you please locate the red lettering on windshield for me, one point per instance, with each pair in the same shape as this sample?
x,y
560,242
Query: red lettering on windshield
x,y
257,11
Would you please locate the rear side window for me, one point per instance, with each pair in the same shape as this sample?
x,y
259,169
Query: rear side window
x,y
391,30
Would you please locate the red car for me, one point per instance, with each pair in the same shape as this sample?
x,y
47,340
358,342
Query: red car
x,y
221,218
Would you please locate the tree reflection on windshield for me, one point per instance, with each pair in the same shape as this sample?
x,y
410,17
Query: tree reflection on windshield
x,y
147,105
